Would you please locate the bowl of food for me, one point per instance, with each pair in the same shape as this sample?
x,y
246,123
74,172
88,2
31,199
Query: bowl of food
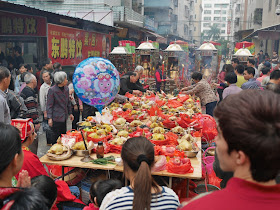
x,y
85,124
190,149
191,154
80,150
120,123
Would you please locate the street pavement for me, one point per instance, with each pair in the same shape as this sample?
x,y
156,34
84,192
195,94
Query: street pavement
x,y
42,141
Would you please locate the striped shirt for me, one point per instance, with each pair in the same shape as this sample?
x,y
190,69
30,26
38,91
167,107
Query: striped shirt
x,y
30,101
123,199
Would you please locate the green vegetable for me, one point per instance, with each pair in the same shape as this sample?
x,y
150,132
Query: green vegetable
x,y
104,161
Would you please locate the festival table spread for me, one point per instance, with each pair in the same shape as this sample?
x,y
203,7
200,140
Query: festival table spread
x,y
174,125
75,161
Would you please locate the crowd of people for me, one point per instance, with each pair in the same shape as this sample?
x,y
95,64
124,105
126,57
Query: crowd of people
x,y
246,108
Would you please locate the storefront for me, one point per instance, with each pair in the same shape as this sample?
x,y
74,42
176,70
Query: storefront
x,y
25,31
44,34
70,46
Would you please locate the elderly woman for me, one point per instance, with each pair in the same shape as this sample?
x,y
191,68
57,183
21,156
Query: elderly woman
x,y
59,105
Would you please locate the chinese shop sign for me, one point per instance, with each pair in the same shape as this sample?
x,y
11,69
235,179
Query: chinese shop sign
x,y
21,25
70,46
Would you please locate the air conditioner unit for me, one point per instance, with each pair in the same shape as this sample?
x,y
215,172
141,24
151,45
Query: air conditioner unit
x,y
277,11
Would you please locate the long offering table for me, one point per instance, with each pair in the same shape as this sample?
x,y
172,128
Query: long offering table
x,y
76,162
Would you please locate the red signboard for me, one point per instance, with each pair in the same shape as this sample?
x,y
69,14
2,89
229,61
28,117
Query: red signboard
x,y
21,25
228,27
69,46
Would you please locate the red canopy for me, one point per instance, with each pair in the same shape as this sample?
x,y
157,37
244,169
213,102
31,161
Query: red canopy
x,y
243,44
212,42
179,42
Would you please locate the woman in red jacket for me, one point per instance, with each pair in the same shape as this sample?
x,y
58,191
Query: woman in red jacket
x,y
160,77
33,165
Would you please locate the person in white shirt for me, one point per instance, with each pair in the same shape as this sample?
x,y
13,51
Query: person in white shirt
x,y
46,76
5,79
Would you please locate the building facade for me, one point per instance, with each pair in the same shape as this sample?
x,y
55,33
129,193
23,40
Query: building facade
x,y
174,17
269,38
259,24
197,22
215,12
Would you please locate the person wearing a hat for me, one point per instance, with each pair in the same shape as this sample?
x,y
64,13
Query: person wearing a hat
x,y
32,163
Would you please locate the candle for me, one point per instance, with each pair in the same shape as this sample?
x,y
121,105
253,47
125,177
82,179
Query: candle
x,y
162,69
183,70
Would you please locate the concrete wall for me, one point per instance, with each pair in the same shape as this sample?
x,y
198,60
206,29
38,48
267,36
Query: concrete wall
x,y
197,21
269,17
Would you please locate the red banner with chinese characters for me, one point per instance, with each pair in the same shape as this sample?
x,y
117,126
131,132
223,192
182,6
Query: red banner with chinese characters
x,y
70,46
22,25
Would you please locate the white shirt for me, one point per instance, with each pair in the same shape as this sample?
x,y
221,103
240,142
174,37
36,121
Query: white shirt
x,y
123,199
44,89
5,116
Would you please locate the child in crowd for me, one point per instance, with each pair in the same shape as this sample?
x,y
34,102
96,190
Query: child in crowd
x,y
99,190
47,187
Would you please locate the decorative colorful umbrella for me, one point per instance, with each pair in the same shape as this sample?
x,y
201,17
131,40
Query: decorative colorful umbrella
x,y
248,45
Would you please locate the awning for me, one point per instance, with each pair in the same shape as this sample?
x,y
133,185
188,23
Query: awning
x,y
270,32
240,35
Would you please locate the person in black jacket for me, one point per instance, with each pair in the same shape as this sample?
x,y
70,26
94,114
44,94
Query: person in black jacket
x,y
127,83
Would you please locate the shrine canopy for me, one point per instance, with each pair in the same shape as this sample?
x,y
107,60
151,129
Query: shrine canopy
x,y
217,45
214,43
184,45
129,45
247,45
155,44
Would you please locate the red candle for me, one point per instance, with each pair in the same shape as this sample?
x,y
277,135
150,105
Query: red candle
x,y
162,69
183,71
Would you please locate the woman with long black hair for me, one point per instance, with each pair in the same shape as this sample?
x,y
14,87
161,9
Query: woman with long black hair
x,y
143,192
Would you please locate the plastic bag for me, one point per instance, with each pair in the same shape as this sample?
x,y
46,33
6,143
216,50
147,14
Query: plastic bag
x,y
209,128
173,104
159,142
106,116
103,139
179,166
179,186
168,150
151,97
141,132
172,138
76,134
182,123
129,95
68,140
115,148
214,180
160,103
183,97
160,164
169,124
